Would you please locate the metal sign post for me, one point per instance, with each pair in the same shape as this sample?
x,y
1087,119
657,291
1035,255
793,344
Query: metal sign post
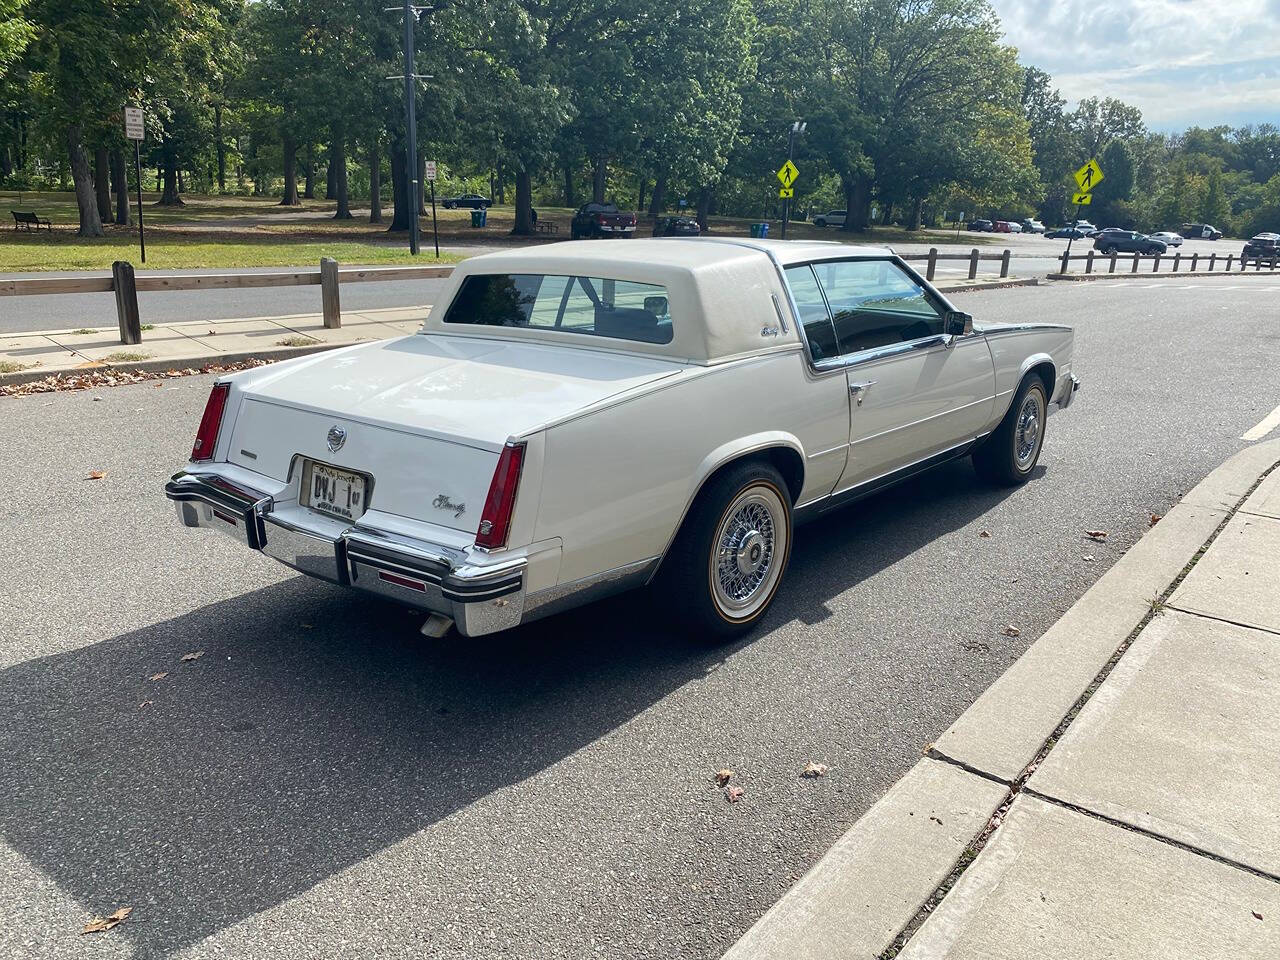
x,y
134,130
431,179
411,122
787,175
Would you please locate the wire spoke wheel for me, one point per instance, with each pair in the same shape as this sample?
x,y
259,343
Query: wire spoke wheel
x,y
1029,432
749,551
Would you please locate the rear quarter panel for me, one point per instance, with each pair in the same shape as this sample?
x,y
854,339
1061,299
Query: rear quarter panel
x,y
1015,349
616,481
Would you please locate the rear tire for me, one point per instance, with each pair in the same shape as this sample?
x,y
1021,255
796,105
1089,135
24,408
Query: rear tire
x,y
731,553
1009,455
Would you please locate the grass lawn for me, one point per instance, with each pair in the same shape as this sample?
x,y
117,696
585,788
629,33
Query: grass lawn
x,y
228,232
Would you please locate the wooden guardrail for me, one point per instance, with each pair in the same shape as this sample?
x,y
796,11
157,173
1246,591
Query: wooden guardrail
x,y
1093,259
126,286
975,255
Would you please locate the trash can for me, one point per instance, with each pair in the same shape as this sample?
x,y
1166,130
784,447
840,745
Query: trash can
x,y
478,217
755,231
764,230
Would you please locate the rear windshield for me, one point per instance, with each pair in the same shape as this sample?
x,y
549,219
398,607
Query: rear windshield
x,y
596,306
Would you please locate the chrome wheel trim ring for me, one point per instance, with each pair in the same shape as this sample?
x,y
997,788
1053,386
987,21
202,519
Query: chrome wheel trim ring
x,y
748,552
1029,433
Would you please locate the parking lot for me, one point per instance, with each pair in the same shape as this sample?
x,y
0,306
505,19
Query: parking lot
x,y
322,780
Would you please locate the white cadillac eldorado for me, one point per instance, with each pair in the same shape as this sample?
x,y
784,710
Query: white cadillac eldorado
x,y
579,418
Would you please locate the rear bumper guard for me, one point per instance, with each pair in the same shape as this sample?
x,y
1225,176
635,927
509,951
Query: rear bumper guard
x,y
479,599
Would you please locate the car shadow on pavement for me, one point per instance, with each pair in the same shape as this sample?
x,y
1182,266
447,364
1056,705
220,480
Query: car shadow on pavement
x,y
318,727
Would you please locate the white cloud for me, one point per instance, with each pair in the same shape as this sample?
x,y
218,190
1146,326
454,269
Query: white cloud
x,y
1179,61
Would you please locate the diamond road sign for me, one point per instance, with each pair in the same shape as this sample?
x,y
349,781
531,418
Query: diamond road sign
x,y
1089,176
787,175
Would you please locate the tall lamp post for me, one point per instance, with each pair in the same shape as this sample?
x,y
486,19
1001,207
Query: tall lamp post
x,y
797,128
411,14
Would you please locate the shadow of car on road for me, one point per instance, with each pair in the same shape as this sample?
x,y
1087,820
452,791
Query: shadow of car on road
x,y
318,727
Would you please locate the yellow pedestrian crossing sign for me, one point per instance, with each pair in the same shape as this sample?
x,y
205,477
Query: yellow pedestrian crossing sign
x,y
1082,199
787,175
1089,176
786,193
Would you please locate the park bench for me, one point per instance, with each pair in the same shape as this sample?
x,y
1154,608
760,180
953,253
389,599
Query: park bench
x,y
26,219
546,226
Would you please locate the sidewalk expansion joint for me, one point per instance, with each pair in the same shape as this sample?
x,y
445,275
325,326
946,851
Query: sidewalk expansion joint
x,y
933,753
1234,623
1151,834
975,847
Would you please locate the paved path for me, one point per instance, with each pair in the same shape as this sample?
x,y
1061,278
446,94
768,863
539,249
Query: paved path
x,y
324,781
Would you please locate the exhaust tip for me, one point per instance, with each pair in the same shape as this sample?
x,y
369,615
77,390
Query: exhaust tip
x,y
437,625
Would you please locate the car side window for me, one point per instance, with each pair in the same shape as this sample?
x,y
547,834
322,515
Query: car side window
x,y
814,316
875,303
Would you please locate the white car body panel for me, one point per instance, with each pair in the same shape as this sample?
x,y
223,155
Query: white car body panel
x,y
618,436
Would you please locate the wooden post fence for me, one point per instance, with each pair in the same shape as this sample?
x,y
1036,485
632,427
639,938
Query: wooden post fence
x,y
1004,263
329,301
973,263
933,263
126,290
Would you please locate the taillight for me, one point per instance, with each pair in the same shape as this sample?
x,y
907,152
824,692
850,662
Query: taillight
x,y
207,434
495,520
601,219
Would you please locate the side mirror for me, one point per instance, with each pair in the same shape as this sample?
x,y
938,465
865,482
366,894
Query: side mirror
x,y
958,324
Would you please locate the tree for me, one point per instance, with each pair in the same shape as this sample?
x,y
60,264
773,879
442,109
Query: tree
x,y
15,32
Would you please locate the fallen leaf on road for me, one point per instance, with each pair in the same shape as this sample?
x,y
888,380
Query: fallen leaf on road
x,y
722,777
812,769
161,675
1256,915
734,794
1098,535
936,820
985,535
1156,518
188,657
1088,558
1011,631
96,474
145,703
98,924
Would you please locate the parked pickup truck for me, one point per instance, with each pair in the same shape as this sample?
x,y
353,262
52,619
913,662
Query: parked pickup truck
x,y
601,220
576,419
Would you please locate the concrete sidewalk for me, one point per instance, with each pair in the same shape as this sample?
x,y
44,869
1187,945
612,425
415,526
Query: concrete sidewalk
x,y
38,354
1115,794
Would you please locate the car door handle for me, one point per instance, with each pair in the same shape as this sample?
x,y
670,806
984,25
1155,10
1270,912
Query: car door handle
x,y
859,390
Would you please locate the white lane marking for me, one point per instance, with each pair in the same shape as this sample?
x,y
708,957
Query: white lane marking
x,y
1268,423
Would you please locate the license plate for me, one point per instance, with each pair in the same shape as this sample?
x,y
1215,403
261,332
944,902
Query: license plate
x,y
339,493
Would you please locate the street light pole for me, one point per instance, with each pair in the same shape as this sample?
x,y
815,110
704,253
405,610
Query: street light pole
x,y
411,125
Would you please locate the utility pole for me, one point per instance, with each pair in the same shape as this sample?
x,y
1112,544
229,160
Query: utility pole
x,y
410,13
796,128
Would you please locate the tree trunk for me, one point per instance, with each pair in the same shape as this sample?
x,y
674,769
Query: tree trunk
x,y
706,197
644,185
570,195
86,202
375,184
422,185
401,217
886,218
599,180
6,164
524,204
502,186
102,183
290,198
338,167
309,184
659,195
330,187
169,195
182,184
120,185
220,147
917,214
857,192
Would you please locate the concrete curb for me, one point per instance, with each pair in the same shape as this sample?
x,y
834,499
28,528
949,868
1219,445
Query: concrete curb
x,y
1181,275
989,285
271,355
871,884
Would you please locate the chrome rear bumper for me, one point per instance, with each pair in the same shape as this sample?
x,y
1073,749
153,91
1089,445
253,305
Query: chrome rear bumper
x,y
479,598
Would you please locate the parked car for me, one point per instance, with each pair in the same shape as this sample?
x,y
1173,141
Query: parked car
x,y
532,446
1200,231
676,227
1126,241
1264,245
1072,233
832,218
471,201
1032,226
1002,226
1168,238
981,226
601,220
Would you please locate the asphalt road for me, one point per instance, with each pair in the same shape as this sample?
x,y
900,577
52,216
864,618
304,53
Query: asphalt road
x,y
323,781
1032,256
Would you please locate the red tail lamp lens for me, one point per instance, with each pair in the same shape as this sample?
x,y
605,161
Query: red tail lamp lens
x,y
207,434
495,521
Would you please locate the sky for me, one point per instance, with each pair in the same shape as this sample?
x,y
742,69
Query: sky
x,y
1182,62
